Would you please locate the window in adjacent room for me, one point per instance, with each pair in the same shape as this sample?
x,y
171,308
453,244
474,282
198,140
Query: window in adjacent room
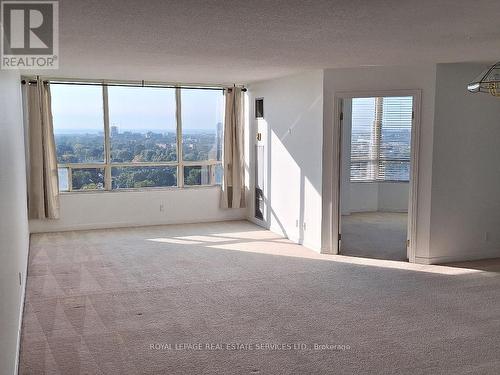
x,y
381,138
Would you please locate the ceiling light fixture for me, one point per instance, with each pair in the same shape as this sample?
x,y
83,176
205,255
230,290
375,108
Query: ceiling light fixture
x,y
488,81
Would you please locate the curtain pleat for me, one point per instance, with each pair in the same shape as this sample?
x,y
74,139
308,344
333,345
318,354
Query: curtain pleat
x,y
233,184
43,190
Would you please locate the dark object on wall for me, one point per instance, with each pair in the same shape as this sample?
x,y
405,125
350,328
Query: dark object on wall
x,y
259,182
259,108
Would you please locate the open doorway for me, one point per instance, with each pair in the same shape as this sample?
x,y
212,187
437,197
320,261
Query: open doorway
x,y
376,175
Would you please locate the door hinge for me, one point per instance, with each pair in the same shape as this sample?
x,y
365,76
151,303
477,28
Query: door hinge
x,y
339,236
341,116
407,243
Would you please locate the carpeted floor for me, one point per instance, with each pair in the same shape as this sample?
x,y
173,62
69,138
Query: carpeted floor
x,y
231,298
379,235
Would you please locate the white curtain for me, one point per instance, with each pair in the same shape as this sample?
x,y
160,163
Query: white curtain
x,y
43,185
233,185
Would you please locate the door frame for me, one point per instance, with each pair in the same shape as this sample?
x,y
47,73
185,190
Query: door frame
x,y
337,164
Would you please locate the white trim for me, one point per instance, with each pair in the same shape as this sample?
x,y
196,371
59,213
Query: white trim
x,y
413,188
336,179
126,224
463,257
361,210
395,210
21,310
311,246
374,93
178,120
107,142
337,170
260,223
378,181
194,163
137,83
138,190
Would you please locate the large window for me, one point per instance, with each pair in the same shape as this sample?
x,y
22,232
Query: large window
x,y
117,137
381,138
202,136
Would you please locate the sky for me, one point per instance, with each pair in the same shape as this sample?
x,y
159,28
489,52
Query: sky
x,y
80,108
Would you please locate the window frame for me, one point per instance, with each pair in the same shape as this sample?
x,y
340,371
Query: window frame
x,y
107,164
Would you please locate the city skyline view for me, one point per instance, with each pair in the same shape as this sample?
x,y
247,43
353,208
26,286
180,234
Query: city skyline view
x,y
142,130
80,109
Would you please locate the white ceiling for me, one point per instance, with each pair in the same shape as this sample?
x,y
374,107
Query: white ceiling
x,y
246,40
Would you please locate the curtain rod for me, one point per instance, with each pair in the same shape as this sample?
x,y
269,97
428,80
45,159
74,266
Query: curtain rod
x,y
24,82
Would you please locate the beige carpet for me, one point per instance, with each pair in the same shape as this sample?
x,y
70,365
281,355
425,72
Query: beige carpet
x,y
104,302
379,235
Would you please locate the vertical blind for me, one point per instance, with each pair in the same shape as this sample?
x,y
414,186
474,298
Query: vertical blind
x,y
381,138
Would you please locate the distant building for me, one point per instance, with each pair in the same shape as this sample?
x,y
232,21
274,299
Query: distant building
x,y
151,134
114,130
219,140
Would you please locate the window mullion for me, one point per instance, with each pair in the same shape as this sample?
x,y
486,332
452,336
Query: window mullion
x,y
107,141
211,171
70,179
379,105
178,113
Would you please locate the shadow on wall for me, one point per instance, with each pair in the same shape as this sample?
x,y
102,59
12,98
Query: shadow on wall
x,y
293,173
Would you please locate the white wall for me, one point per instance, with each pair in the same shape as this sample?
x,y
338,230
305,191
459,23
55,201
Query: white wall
x,y
384,78
363,197
465,218
393,196
292,134
14,236
136,208
376,196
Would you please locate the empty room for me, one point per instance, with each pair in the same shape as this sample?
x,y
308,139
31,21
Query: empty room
x,y
249,187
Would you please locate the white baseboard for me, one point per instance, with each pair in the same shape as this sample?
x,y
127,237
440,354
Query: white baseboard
x,y
111,225
21,310
279,231
464,257
260,223
378,210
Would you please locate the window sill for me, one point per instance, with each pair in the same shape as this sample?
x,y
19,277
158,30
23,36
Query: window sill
x,y
380,182
140,190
